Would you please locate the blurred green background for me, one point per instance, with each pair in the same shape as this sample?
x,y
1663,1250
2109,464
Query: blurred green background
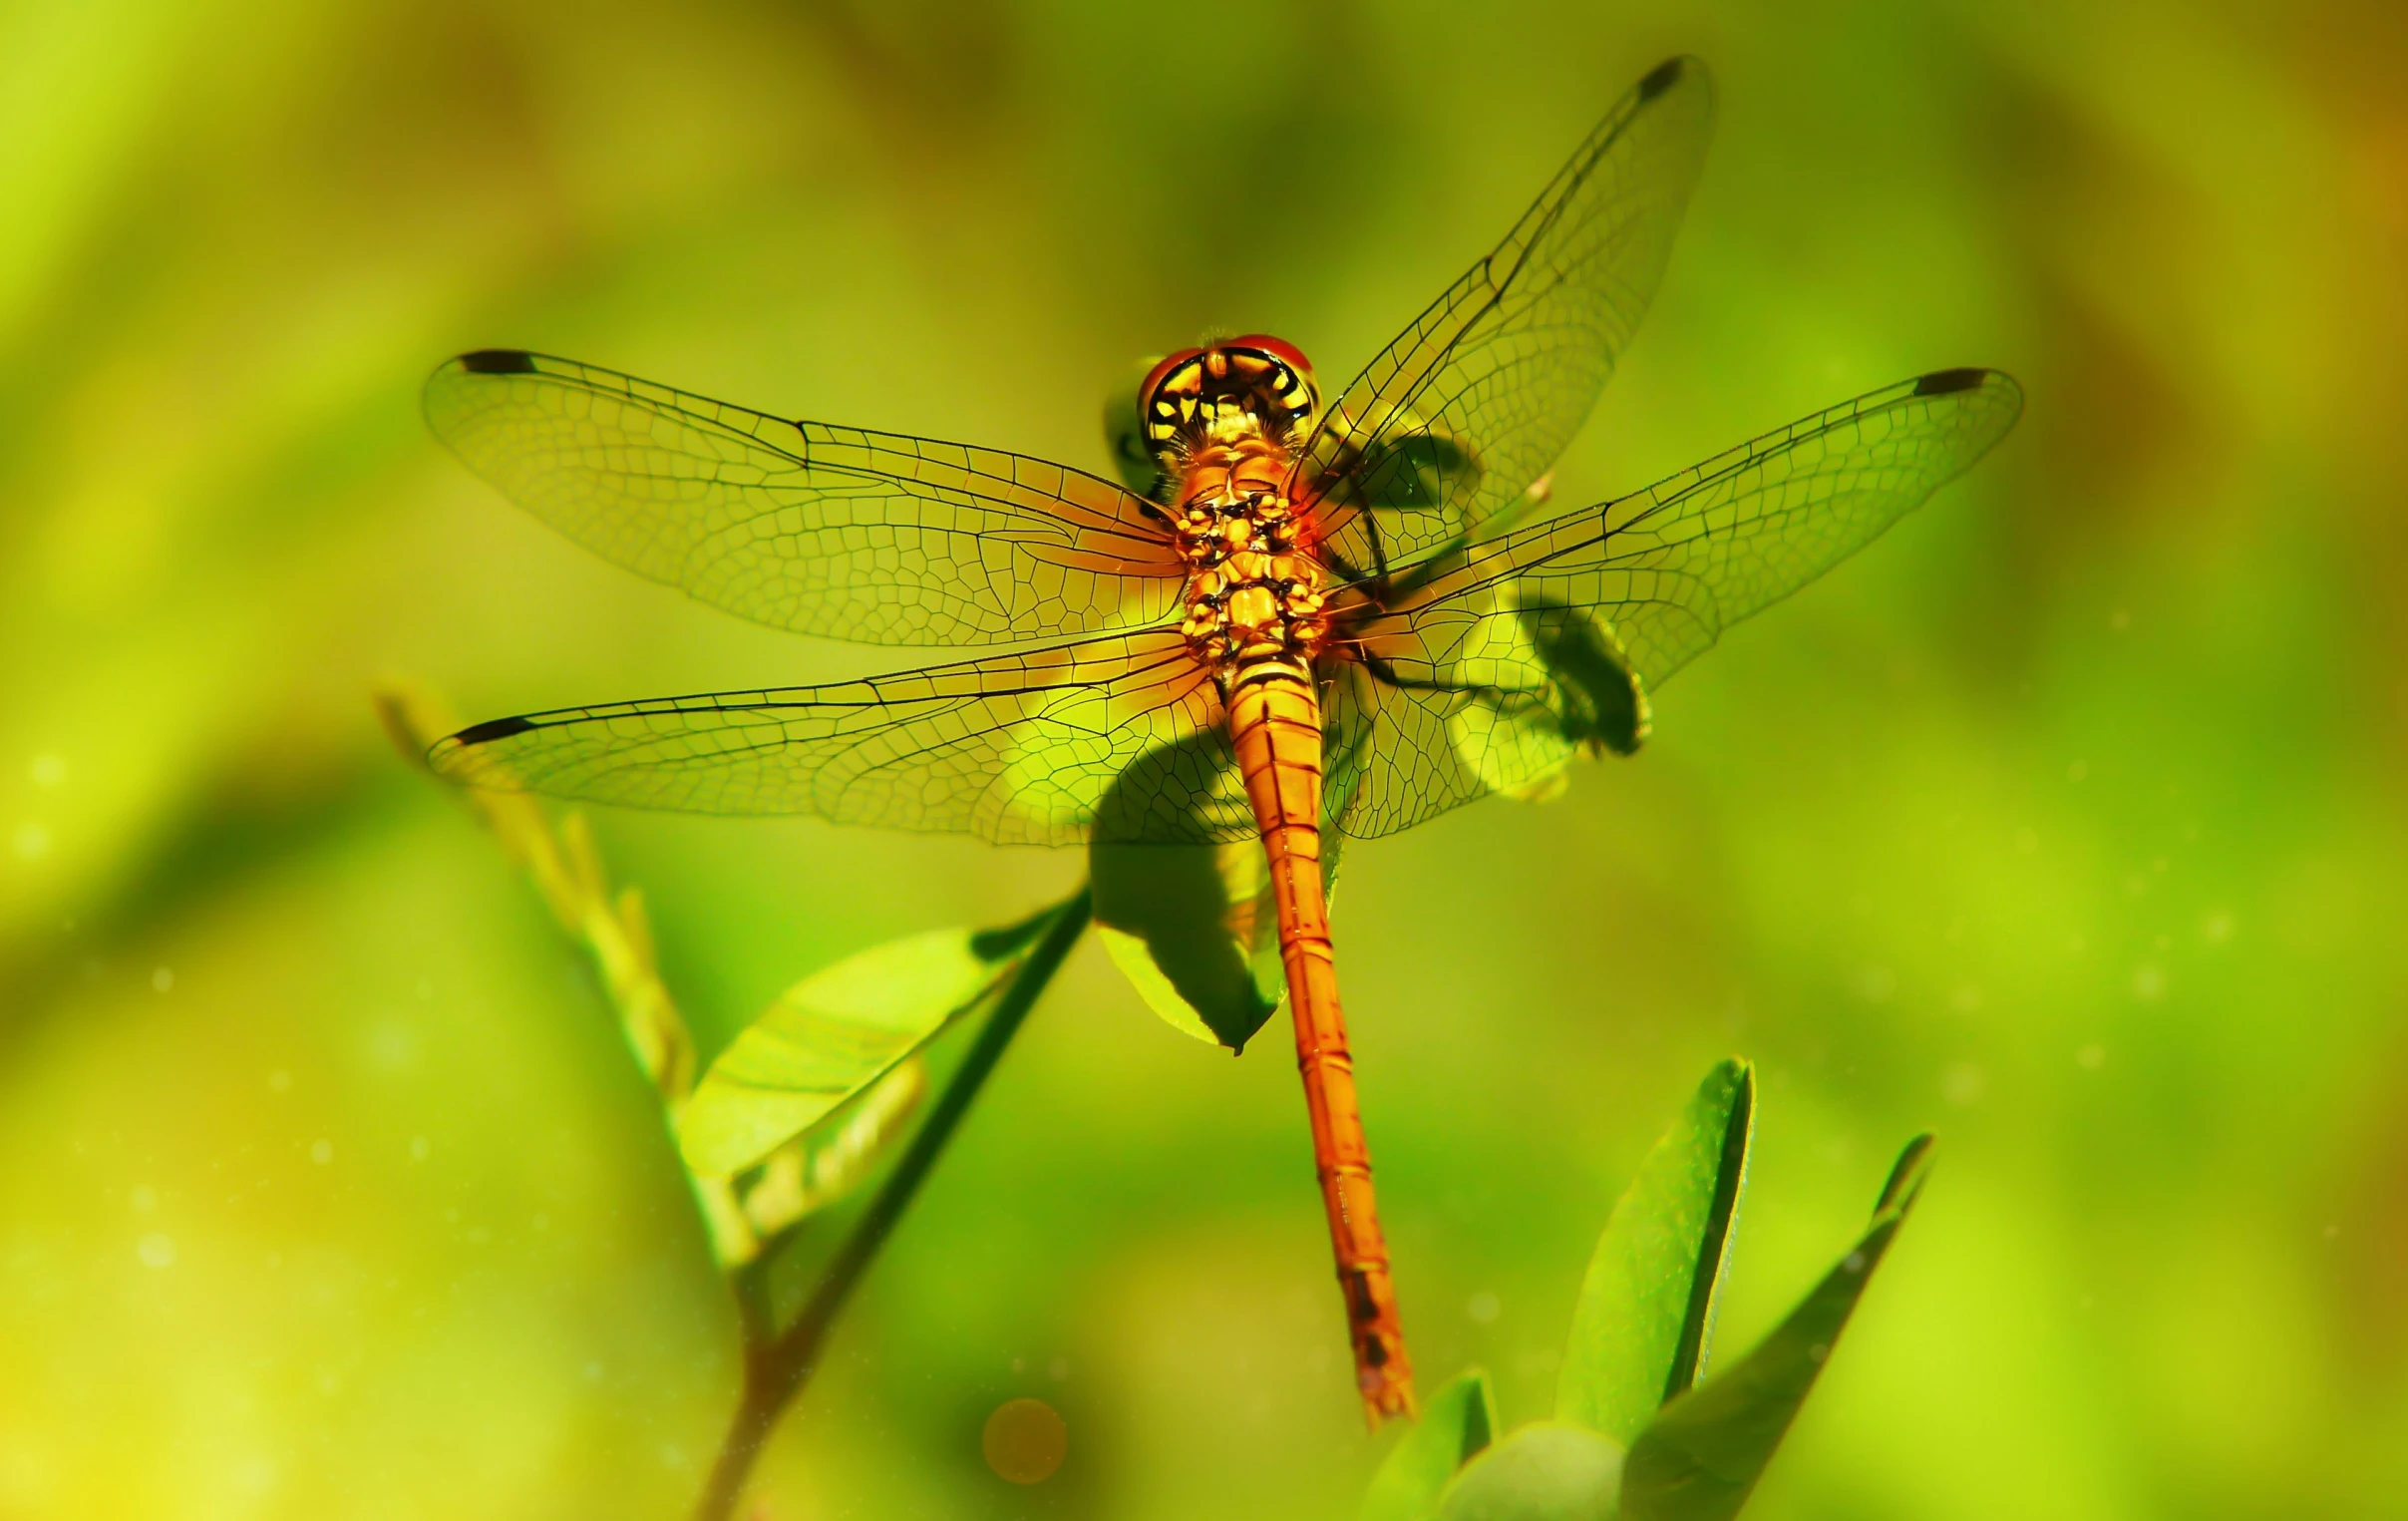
x,y
2069,820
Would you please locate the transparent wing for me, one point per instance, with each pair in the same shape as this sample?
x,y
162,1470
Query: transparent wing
x,y
1117,738
1452,424
875,537
1492,665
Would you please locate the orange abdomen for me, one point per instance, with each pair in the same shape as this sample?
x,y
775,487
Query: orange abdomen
x,y
1274,718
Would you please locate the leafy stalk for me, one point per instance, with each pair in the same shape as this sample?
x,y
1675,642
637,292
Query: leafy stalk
x,y
826,1119
612,929
1641,1433
777,1363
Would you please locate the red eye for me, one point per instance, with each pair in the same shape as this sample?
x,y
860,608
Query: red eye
x,y
1286,353
1157,375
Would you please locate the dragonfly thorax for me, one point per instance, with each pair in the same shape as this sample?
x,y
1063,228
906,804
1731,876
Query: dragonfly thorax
x,y
1254,591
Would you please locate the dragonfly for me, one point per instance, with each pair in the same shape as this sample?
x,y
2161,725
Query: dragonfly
x,y
1289,614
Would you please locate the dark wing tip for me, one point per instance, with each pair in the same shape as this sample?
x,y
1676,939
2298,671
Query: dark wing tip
x,y
1946,382
498,361
491,730
1664,76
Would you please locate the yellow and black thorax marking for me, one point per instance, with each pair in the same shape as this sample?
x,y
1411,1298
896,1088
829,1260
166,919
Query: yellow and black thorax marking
x,y
1254,589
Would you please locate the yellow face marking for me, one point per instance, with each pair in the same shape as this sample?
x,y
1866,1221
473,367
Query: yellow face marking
x,y
1225,395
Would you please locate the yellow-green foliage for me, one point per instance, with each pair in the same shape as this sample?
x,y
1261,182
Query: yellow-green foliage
x,y
2067,821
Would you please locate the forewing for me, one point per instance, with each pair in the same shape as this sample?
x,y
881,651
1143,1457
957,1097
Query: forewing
x,y
875,537
1456,419
1496,662
1117,738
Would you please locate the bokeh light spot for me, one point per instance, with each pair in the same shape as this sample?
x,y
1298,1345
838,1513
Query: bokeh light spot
x,y
1964,1084
1024,1441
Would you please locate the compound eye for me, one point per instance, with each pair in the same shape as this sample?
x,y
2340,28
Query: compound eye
x,y
1161,372
1292,373
1279,349
1158,395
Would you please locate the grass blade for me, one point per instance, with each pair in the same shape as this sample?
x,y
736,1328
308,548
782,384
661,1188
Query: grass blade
x,y
1457,1423
1647,1310
1701,1458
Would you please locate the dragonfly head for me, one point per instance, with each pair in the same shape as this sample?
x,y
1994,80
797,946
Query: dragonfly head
x,y
1229,390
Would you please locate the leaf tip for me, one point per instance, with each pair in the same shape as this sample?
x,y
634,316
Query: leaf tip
x,y
1906,1176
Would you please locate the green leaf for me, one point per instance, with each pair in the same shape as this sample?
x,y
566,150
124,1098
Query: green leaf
x,y
1421,470
1553,682
1196,931
1599,697
1510,736
1647,1310
1457,1423
1547,1471
836,1156
1182,921
834,1035
1409,465
1699,1459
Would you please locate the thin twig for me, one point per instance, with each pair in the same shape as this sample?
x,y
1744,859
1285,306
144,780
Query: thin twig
x,y
776,1370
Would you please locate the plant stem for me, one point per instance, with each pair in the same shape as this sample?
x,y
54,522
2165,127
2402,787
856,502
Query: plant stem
x,y
776,1369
